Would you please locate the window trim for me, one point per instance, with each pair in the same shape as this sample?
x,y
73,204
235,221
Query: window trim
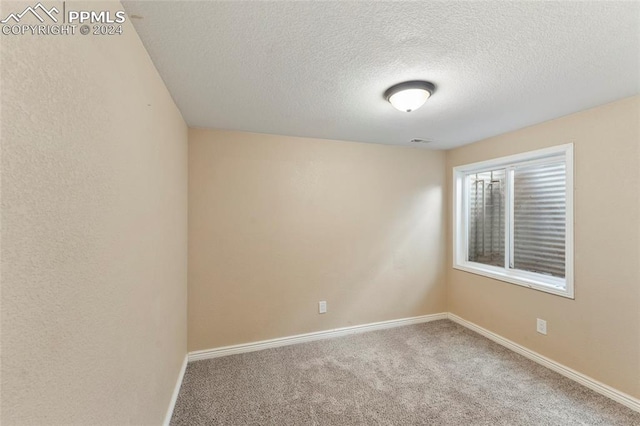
x,y
554,285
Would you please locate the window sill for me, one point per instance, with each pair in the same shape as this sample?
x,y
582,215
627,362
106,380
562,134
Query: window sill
x,y
520,278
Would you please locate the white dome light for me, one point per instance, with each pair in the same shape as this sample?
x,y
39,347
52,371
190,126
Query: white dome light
x,y
410,95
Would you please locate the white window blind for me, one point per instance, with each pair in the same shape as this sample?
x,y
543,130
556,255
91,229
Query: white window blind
x,y
486,217
539,218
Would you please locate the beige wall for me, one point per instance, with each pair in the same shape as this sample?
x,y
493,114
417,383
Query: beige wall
x,y
94,222
598,333
277,224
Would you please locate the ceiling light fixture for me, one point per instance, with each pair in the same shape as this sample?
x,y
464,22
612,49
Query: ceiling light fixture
x,y
410,95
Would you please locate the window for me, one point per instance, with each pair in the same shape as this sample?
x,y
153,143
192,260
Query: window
x,y
514,219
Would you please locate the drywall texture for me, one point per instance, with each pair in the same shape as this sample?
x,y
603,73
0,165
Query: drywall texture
x,y
278,223
318,69
598,333
94,231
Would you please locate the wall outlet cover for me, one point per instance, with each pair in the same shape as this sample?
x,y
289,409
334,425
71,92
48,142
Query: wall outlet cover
x,y
541,326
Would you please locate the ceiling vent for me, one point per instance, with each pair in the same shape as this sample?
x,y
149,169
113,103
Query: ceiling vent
x,y
418,140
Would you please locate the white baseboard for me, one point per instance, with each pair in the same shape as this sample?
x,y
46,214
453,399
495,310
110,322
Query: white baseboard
x,y
176,391
309,337
601,388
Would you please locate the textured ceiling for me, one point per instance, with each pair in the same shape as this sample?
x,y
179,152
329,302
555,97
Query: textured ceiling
x,y
320,69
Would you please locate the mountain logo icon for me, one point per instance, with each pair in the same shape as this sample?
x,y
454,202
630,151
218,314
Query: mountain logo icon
x,y
39,11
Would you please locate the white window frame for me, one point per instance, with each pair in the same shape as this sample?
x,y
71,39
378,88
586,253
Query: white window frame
x,y
554,285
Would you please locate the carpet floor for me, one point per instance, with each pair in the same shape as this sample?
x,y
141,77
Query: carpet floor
x,y
436,373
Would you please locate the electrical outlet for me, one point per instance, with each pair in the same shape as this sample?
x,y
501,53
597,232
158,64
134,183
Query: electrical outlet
x,y
322,307
541,326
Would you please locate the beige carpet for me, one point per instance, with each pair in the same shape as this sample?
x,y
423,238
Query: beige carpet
x,y
437,373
